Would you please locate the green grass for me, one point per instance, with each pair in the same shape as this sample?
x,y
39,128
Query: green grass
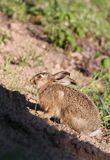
x,y
99,90
4,37
31,59
14,8
64,21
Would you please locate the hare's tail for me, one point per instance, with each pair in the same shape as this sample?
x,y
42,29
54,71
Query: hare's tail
x,y
96,133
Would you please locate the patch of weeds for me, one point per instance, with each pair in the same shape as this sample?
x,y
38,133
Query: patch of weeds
x,y
14,82
99,91
38,61
35,59
33,91
6,65
64,21
31,59
4,37
14,8
106,62
24,61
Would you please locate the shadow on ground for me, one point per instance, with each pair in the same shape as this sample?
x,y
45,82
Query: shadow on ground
x,y
25,136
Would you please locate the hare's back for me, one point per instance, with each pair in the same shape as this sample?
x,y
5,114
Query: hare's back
x,y
68,96
72,97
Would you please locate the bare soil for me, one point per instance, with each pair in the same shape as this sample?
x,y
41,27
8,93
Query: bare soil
x,y
24,134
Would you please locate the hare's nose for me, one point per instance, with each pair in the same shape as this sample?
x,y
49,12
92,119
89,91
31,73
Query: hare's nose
x,y
32,81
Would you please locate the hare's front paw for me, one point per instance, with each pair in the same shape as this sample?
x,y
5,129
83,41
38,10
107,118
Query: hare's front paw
x,y
55,119
51,117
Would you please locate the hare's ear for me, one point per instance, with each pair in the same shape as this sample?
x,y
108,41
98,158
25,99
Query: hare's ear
x,y
61,75
63,78
72,81
66,81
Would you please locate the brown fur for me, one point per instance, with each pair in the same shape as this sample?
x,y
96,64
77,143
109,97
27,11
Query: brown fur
x,y
71,106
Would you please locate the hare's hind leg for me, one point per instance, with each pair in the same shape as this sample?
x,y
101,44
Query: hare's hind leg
x,y
79,124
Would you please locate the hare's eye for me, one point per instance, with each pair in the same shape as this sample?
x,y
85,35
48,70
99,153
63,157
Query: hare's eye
x,y
39,76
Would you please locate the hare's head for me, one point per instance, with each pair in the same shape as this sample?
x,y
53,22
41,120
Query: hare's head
x,y
40,79
43,78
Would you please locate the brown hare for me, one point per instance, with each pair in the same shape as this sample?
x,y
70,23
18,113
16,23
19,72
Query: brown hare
x,y
69,105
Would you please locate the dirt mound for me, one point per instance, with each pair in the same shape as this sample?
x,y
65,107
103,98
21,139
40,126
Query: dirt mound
x,y
25,136
22,135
